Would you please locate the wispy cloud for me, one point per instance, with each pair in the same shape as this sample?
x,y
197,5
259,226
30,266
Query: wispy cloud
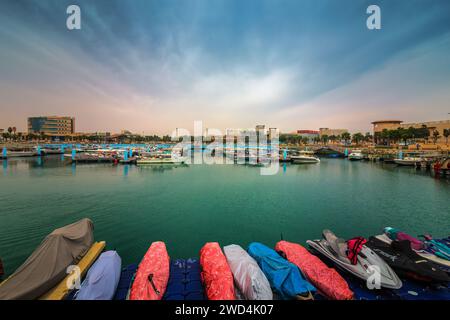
x,y
156,65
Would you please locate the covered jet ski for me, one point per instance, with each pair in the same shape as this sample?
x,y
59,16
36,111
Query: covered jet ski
x,y
285,277
325,279
47,265
400,256
216,274
102,278
248,277
335,249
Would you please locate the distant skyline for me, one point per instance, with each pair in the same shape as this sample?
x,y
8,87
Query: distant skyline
x,y
154,65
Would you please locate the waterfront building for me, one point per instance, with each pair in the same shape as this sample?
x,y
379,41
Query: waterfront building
x,y
331,132
51,125
439,126
310,134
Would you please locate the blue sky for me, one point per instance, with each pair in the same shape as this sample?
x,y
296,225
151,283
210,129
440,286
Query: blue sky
x,y
152,66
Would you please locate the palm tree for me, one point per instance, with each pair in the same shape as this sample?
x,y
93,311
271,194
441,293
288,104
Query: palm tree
x,y
346,137
446,135
358,137
435,136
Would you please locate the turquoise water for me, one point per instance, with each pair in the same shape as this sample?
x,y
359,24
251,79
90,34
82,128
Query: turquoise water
x,y
187,206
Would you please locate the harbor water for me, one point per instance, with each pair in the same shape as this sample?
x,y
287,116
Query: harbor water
x,y
186,206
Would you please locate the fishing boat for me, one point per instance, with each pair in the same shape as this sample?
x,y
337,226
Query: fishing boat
x,y
305,157
355,155
407,161
46,266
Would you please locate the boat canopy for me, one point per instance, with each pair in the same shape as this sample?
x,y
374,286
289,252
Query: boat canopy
x,y
46,266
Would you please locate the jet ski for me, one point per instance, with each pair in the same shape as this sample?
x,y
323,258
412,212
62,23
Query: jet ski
x,y
335,249
401,257
442,263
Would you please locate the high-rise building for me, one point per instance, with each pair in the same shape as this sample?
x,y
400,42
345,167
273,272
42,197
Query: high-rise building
x,y
51,125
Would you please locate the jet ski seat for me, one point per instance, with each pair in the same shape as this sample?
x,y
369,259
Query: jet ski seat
x,y
338,245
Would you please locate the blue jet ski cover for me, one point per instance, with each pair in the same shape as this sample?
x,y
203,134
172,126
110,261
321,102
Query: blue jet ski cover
x,y
284,277
102,278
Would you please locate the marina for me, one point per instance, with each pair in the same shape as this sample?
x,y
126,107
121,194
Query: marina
x,y
332,269
133,205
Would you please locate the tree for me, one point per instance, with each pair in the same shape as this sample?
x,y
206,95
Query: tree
x,y
358,137
10,130
325,138
446,135
435,136
346,137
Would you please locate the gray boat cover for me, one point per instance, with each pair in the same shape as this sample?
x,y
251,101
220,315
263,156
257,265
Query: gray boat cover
x,y
102,278
46,266
248,277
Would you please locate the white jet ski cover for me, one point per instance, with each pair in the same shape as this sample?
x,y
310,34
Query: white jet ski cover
x,y
248,277
102,278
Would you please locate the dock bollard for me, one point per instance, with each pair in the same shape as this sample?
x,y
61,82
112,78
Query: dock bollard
x,y
4,153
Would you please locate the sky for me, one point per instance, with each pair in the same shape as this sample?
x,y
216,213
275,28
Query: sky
x,y
150,66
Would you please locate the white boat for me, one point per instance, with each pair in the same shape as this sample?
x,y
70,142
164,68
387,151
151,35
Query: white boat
x,y
355,155
407,161
305,157
150,161
13,154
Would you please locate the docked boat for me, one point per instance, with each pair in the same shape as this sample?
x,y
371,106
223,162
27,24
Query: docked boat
x,y
102,278
335,249
152,275
216,274
285,278
401,257
355,155
407,161
46,266
327,280
305,157
62,290
22,153
429,252
150,161
248,277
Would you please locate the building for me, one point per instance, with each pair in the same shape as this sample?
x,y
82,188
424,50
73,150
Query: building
x,y
331,132
310,134
439,126
52,125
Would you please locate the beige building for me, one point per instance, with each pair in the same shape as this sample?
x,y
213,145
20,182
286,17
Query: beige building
x,y
331,132
51,125
379,126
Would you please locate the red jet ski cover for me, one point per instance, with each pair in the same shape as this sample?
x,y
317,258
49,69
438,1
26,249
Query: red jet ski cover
x,y
216,274
325,279
152,275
